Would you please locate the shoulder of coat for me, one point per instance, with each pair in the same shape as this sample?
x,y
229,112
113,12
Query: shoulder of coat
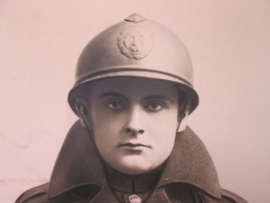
x,y
36,191
226,197
232,197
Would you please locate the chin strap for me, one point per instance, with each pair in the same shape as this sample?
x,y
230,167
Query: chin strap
x,y
90,132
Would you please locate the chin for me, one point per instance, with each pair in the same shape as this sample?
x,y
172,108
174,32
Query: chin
x,y
134,166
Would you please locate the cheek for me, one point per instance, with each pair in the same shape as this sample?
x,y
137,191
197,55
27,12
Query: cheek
x,y
106,124
163,122
163,129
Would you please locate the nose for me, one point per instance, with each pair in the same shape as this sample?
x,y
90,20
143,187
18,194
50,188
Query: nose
x,y
133,131
133,125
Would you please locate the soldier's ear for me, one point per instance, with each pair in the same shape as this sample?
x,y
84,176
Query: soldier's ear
x,y
83,108
183,122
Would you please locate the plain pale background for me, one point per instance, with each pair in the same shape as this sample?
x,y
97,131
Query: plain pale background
x,y
229,43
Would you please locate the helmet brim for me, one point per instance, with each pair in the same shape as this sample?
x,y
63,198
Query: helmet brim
x,y
181,83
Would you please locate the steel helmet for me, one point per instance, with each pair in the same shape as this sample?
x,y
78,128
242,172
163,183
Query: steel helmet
x,y
136,47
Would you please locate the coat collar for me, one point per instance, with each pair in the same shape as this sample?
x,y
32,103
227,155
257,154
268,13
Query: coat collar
x,y
79,164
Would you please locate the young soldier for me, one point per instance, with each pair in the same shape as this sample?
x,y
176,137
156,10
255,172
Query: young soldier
x,y
133,94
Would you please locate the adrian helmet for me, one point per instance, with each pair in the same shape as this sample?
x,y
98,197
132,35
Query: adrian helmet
x,y
136,47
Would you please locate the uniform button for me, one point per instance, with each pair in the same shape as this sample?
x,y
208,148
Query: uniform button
x,y
134,199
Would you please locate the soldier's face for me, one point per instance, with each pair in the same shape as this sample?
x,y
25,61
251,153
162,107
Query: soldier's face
x,y
134,121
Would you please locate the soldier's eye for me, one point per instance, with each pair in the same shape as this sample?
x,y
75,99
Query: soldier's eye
x,y
115,105
154,106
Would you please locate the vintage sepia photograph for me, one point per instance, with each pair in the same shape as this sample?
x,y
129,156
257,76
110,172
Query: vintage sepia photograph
x,y
135,101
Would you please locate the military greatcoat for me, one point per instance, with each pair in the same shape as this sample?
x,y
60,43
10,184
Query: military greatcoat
x,y
79,176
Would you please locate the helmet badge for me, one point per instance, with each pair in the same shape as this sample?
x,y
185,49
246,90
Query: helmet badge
x,y
135,42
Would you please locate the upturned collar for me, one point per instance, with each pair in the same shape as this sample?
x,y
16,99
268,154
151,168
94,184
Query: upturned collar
x,y
79,164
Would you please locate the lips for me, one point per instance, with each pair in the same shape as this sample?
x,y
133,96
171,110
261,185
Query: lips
x,y
133,145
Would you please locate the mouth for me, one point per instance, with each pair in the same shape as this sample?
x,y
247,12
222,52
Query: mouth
x,y
132,145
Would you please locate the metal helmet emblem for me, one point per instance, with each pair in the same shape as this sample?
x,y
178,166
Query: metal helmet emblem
x,y
135,42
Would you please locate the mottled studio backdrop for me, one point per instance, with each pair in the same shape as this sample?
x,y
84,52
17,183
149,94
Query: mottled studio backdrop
x,y
229,43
